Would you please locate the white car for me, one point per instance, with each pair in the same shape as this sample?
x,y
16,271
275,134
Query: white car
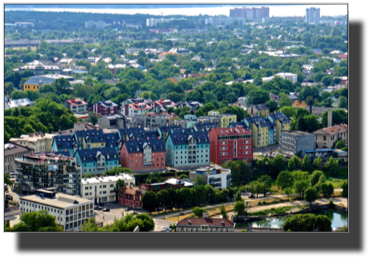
x,y
166,229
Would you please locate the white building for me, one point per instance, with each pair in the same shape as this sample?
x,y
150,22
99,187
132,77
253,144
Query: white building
x,y
151,22
101,189
313,15
284,75
99,24
24,24
217,177
69,211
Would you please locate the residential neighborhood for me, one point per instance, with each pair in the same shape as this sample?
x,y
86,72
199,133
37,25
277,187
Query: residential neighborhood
x,y
168,123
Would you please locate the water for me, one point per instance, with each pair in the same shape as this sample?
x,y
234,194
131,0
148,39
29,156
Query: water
x,y
338,219
275,10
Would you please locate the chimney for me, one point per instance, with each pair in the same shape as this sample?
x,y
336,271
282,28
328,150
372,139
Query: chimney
x,y
329,117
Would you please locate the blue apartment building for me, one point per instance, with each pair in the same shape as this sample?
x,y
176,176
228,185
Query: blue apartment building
x,y
97,160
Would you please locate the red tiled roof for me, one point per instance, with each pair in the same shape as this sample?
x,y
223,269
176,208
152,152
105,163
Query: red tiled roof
x,y
205,221
132,190
75,102
335,129
134,106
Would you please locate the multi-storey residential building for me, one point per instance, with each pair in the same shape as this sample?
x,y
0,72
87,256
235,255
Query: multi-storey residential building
x,y
272,133
98,24
187,122
136,109
69,212
35,171
250,13
96,138
149,120
187,148
259,128
164,131
282,123
37,141
11,152
205,224
105,107
131,196
77,106
209,119
296,142
313,15
97,160
204,126
326,137
223,21
230,144
227,119
132,133
163,104
143,153
65,143
240,124
151,22
39,69
216,177
256,110
112,121
101,189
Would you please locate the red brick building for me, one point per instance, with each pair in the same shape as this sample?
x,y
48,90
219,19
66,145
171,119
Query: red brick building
x,y
230,144
131,196
104,107
147,153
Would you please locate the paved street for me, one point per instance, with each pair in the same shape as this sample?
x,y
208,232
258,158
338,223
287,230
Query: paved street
x,y
160,224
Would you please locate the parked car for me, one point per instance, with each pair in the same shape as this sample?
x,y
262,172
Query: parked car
x,y
106,209
126,208
134,212
98,208
181,214
166,229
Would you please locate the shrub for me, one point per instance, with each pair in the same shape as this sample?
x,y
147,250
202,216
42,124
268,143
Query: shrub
x,y
331,202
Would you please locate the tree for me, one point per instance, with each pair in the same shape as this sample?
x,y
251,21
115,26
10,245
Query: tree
x,y
291,164
327,80
149,201
314,178
285,101
311,194
343,102
340,144
147,222
344,187
272,105
8,88
257,96
93,117
288,111
61,85
223,211
288,191
38,219
317,163
238,196
183,176
300,187
285,179
239,207
199,180
267,183
332,166
155,177
7,182
120,184
327,189
198,211
307,222
306,163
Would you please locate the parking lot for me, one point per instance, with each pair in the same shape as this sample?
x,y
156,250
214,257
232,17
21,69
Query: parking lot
x,y
115,211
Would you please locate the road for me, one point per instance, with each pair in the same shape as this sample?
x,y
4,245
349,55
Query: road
x,y
160,224
231,203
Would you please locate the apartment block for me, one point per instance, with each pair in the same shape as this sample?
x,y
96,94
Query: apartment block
x,y
217,177
293,142
37,141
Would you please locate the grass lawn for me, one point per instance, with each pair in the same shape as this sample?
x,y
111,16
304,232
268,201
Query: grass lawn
x,y
336,182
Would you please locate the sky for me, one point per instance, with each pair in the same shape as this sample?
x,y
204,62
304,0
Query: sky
x,y
275,10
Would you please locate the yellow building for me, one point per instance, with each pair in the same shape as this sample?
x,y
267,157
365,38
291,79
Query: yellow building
x,y
282,123
36,82
38,141
259,127
255,110
227,119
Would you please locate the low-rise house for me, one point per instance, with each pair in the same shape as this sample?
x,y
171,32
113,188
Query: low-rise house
x,y
113,121
163,55
205,225
198,58
11,152
274,97
70,212
77,106
217,177
328,136
296,143
297,104
255,110
105,107
131,196
25,102
101,189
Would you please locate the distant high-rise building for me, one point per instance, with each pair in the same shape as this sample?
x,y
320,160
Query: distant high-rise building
x,y
250,13
313,15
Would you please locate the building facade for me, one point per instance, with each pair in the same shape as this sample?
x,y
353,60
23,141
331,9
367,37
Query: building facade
x,y
77,106
105,107
313,15
205,225
260,130
216,177
46,170
11,152
327,137
296,142
261,109
97,160
69,212
187,148
282,124
131,196
101,189
37,141
230,144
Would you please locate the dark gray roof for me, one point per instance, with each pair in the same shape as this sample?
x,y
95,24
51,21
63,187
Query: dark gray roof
x,y
65,141
36,79
182,137
12,149
156,144
90,154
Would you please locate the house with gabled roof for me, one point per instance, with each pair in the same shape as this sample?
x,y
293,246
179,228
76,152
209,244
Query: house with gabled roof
x,y
97,160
